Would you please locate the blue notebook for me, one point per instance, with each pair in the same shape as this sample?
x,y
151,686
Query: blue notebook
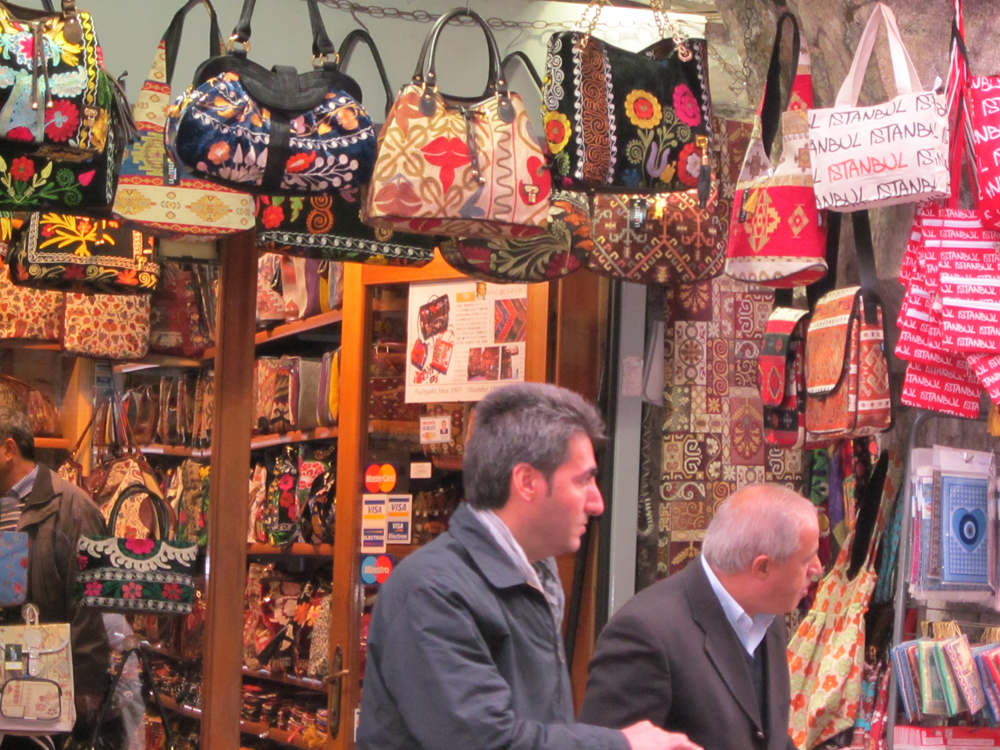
x,y
965,532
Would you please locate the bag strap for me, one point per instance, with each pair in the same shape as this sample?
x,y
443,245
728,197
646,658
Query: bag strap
x,y
347,46
962,137
772,105
324,53
528,65
172,37
907,80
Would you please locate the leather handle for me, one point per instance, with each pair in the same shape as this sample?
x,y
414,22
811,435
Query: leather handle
x,y
346,46
866,265
426,64
772,105
160,510
322,46
528,65
172,37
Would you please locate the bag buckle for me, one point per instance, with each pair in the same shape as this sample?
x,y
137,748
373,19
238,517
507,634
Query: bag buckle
x,y
243,49
320,61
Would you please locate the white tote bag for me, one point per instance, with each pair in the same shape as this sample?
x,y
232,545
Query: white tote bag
x,y
884,154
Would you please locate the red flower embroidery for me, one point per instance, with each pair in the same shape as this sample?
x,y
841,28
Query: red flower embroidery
x,y
272,217
82,561
61,120
74,271
86,178
686,106
20,134
300,162
140,546
538,190
129,278
448,154
93,588
286,483
131,590
22,168
218,152
171,591
689,165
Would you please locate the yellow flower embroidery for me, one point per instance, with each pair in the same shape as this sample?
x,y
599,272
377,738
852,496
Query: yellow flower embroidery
x,y
557,131
643,109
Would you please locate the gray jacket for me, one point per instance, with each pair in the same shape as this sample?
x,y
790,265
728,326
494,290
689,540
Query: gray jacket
x,y
464,653
56,513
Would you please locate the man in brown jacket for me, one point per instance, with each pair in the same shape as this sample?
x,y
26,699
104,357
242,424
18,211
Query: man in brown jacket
x,y
54,514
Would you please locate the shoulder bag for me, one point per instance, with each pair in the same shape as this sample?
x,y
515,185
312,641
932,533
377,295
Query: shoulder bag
x,y
777,237
42,415
622,120
329,227
161,198
458,166
27,313
885,154
106,326
273,131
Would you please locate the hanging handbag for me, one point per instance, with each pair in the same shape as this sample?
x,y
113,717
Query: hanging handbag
x,y
847,373
884,154
781,377
81,254
42,415
329,226
27,313
273,131
458,166
635,121
106,326
36,677
777,237
178,324
153,192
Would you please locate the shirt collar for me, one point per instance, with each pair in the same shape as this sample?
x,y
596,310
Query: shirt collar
x,y
23,488
750,631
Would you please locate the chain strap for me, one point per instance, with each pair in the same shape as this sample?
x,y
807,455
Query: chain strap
x,y
749,16
667,28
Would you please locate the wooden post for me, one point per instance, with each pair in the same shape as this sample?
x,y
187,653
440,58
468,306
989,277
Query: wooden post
x,y
222,682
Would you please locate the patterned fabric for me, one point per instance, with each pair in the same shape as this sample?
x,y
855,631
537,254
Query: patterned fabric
x,y
178,324
27,313
560,251
13,567
219,131
778,238
425,177
67,107
637,121
42,414
80,254
319,645
827,652
47,701
281,511
106,326
136,575
165,200
781,374
328,227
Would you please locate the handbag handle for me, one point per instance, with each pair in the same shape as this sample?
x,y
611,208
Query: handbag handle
x,y
426,74
771,105
346,47
172,37
907,80
528,65
324,53
160,510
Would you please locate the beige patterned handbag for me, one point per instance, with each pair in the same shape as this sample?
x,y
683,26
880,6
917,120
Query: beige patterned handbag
x,y
463,167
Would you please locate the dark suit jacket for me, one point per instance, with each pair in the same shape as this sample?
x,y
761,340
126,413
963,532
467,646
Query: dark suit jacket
x,y
671,656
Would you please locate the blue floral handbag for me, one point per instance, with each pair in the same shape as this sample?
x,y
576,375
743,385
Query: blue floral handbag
x,y
13,568
274,131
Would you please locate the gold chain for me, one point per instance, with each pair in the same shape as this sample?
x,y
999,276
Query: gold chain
x,y
592,14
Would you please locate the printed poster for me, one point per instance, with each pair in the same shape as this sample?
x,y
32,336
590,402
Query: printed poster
x,y
464,338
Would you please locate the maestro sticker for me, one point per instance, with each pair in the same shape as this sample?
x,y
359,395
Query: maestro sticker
x,y
376,569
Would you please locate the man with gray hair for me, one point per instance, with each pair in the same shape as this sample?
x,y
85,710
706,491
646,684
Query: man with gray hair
x,y
464,647
703,651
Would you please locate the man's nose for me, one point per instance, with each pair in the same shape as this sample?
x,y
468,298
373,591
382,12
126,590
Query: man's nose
x,y
595,502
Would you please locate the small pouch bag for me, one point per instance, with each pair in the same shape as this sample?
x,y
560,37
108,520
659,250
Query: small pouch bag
x,y
781,376
13,568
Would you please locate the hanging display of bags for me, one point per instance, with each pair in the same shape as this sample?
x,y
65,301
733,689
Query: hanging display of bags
x,y
458,166
885,154
273,131
777,237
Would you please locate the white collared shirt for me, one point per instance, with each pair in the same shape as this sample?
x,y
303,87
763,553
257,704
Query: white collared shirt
x,y
750,631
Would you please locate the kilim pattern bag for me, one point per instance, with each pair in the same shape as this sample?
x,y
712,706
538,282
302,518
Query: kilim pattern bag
x,y
633,121
27,313
459,167
781,374
777,237
163,199
106,326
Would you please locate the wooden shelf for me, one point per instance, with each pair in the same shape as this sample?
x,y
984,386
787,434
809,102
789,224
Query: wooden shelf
x,y
154,361
179,708
383,427
290,329
38,346
313,550
157,449
55,443
167,653
286,679
267,441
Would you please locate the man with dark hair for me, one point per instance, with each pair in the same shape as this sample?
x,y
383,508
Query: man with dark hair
x,y
464,647
54,514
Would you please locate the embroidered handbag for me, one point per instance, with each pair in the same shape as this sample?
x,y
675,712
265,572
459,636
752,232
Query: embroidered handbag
x,y
13,568
178,323
433,316
847,374
81,254
42,415
36,677
153,192
330,226
777,237
634,121
270,132
885,154
781,377
458,166
106,326
27,313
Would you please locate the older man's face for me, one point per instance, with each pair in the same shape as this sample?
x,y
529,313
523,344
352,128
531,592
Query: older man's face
x,y
788,581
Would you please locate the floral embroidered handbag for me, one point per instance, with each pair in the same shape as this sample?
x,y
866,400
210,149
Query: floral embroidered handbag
x,y
28,313
273,131
42,415
153,192
622,120
458,166
106,326
329,227
777,237
80,254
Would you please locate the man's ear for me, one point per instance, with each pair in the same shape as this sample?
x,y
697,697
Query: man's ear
x,y
760,566
524,480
